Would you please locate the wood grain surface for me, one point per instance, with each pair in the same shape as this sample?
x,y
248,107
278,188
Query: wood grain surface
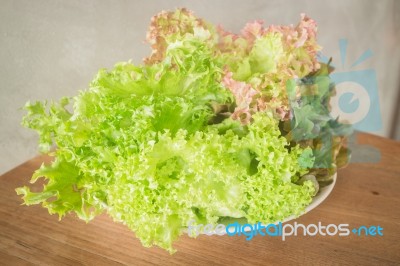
x,y
365,194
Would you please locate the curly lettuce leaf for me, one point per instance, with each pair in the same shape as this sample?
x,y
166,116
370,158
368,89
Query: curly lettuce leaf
x,y
155,182
207,129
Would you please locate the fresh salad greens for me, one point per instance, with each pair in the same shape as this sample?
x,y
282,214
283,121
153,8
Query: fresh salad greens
x,y
213,125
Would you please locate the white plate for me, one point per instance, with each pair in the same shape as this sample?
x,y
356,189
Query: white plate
x,y
317,200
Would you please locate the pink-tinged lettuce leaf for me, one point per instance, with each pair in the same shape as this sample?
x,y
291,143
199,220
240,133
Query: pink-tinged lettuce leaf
x,y
253,30
169,27
301,44
143,144
243,93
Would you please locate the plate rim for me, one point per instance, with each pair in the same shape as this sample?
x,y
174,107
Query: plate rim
x,y
321,196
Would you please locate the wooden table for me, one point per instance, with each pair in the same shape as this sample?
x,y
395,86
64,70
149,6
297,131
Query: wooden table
x,y
365,194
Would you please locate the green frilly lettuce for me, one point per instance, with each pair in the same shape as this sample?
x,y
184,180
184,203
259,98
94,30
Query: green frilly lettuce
x,y
157,145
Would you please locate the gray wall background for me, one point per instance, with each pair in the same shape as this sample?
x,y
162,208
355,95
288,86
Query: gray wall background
x,y
50,49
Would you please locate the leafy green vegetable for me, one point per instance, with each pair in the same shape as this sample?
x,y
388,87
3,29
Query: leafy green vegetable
x,y
201,132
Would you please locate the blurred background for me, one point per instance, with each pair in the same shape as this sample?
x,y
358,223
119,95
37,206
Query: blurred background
x,y
50,49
